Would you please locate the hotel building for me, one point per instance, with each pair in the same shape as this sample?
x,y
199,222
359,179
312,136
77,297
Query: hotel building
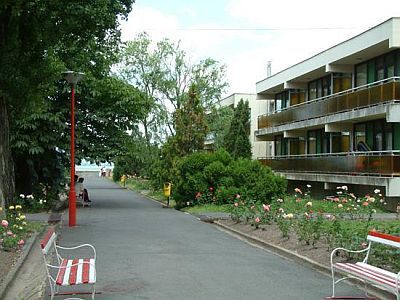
x,y
336,115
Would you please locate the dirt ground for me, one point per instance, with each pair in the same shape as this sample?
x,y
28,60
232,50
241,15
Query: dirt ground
x,y
7,261
272,235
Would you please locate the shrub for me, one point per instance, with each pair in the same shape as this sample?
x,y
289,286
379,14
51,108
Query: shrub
x,y
201,171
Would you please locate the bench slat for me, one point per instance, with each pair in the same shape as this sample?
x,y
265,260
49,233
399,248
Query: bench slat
x,y
76,271
367,274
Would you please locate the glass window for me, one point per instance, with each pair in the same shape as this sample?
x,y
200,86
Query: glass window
x,y
314,142
359,136
312,91
278,145
371,71
389,61
361,74
397,63
380,69
341,82
388,136
396,136
278,102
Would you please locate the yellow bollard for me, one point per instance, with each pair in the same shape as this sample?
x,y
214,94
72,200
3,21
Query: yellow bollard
x,y
167,191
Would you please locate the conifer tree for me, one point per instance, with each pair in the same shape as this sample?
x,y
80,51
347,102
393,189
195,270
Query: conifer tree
x,y
237,141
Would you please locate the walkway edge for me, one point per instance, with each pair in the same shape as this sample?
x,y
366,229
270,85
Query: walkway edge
x,y
11,275
376,292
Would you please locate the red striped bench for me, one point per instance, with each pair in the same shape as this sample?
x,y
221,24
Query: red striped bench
x,y
68,271
379,277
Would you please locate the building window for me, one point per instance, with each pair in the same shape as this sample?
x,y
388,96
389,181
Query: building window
x,y
376,135
314,141
378,68
341,82
279,145
282,100
361,74
319,88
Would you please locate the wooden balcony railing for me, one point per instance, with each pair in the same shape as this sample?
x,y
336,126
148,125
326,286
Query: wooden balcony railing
x,y
382,163
363,96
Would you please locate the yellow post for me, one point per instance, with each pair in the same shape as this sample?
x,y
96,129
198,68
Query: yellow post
x,y
167,191
123,179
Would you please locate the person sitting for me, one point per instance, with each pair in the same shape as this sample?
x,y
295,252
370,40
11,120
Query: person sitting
x,y
83,192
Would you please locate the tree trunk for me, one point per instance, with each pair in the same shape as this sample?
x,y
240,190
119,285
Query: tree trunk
x,y
6,163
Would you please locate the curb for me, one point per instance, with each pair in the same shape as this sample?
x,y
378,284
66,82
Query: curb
x,y
13,272
278,250
286,254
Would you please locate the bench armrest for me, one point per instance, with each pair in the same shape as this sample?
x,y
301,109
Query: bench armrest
x,y
347,250
77,247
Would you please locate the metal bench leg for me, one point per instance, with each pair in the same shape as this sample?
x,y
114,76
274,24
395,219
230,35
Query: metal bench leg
x,y
333,282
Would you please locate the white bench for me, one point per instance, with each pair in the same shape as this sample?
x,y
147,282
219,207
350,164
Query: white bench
x,y
68,271
365,272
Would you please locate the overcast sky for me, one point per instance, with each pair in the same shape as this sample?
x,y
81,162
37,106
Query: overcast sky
x,y
246,34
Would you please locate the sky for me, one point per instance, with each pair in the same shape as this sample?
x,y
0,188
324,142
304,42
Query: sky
x,y
246,34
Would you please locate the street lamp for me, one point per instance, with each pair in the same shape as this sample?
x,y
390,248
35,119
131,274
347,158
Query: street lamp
x,y
72,78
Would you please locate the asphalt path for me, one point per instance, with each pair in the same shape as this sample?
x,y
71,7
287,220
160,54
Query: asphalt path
x,y
148,252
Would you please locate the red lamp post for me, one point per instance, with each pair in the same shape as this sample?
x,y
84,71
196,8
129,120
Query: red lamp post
x,y
72,78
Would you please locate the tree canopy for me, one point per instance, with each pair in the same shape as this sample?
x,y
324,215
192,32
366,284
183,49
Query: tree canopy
x,y
38,40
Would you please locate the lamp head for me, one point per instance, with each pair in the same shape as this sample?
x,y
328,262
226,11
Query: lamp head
x,y
73,77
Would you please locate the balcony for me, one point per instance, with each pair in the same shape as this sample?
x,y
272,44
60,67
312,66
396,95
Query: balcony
x,y
373,163
356,98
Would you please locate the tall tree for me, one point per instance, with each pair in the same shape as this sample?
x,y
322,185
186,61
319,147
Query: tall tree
x,y
219,121
142,66
39,39
190,124
163,72
237,141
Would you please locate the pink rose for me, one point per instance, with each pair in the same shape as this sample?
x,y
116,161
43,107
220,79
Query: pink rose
x,y
237,196
257,220
21,242
10,233
4,223
266,207
236,204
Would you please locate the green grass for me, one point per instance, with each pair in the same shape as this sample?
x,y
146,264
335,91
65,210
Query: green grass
x,y
207,208
143,186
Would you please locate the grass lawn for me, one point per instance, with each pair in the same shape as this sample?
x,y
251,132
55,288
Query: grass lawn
x,y
207,208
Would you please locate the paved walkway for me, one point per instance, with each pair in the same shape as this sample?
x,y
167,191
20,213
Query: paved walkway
x,y
148,252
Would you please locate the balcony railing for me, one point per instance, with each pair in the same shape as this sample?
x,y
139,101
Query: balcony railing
x,y
376,163
359,97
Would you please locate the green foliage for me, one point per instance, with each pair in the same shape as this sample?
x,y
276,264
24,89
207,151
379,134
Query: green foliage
x,y
137,160
219,121
217,178
237,141
259,181
190,125
39,40
14,229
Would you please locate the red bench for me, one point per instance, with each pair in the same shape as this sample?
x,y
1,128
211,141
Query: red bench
x,y
365,272
69,271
